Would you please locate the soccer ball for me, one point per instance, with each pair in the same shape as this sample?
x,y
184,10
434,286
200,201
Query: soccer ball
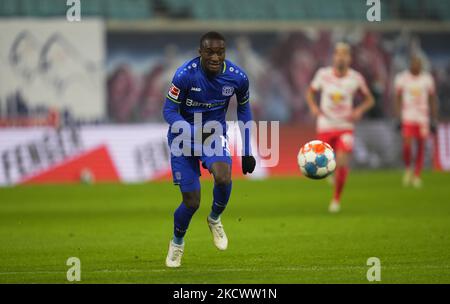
x,y
316,159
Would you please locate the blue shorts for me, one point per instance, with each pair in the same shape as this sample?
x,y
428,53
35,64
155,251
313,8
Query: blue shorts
x,y
186,169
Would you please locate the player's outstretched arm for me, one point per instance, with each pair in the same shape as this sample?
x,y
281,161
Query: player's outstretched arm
x,y
398,105
367,103
175,96
398,101
365,106
170,112
172,115
434,107
312,103
432,99
244,115
314,87
398,109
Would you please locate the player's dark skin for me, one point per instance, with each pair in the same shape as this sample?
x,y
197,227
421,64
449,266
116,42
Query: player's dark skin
x,y
212,57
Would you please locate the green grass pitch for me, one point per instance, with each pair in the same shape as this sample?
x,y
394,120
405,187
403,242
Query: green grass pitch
x,y
279,232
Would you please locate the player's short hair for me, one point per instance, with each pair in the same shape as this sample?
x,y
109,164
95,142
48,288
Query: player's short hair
x,y
343,45
211,36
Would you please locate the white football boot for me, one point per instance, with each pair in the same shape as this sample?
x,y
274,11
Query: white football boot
x,y
174,255
334,207
219,236
417,182
407,177
331,180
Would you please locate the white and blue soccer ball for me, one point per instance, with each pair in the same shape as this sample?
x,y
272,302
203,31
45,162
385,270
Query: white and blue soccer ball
x,y
316,159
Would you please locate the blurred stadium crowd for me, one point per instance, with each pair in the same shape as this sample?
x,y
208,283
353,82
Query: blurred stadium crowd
x,y
280,71
99,85
139,65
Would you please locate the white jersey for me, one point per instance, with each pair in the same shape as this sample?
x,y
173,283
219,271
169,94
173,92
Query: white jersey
x,y
415,91
336,101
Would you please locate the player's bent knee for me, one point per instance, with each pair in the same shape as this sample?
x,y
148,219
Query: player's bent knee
x,y
222,179
191,199
221,173
193,204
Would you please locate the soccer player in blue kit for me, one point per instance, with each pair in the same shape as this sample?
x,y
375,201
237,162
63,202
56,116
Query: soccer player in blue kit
x,y
205,85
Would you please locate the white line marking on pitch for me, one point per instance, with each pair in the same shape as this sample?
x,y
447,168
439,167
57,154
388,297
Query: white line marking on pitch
x,y
300,268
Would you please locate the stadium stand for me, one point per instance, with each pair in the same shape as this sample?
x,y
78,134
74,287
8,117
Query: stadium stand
x,y
232,10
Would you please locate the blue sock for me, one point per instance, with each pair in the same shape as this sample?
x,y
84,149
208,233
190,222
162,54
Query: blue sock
x,y
221,195
178,240
182,218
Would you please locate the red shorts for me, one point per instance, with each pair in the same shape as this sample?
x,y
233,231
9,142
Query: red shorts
x,y
339,140
415,130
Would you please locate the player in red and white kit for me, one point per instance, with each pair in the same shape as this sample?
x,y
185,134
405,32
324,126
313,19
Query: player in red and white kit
x,y
415,101
336,114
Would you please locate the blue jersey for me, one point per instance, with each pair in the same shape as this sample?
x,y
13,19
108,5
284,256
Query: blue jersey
x,y
193,91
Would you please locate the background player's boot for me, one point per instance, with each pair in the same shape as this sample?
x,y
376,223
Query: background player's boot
x,y
334,207
174,255
219,236
417,182
331,179
407,177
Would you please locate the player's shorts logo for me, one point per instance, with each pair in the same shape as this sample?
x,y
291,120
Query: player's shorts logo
x,y
174,92
177,175
227,91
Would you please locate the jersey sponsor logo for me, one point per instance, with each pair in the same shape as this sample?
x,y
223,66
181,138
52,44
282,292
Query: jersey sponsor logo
x,y
337,97
227,91
415,91
208,105
174,92
196,89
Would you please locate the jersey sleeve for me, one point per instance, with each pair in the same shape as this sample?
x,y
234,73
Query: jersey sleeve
x,y
178,88
242,93
244,115
175,96
316,83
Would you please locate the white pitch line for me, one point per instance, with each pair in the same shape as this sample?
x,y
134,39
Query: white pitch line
x,y
300,268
